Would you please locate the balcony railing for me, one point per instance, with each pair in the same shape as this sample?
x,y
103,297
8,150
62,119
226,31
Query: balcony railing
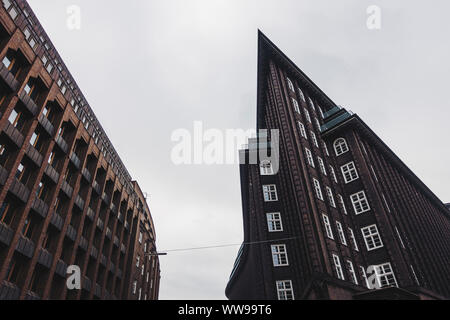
x,y
34,155
57,221
46,124
108,233
116,241
40,207
83,243
79,202
94,252
3,175
45,258
15,135
18,189
87,284
6,234
86,174
100,223
90,213
62,144
113,207
75,160
8,77
96,187
29,103
71,233
25,246
61,268
68,190
52,173
9,291
105,197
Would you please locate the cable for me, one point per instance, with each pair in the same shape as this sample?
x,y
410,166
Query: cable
x,y
227,245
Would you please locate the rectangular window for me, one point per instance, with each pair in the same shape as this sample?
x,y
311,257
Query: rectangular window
x,y
353,239
302,130
314,139
274,223
338,267
349,172
352,272
270,192
342,204
266,168
322,165
279,255
341,233
309,157
295,103
330,197
385,275
318,189
284,290
360,203
371,237
326,223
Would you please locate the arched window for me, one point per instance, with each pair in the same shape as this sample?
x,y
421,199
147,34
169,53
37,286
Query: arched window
x,y
340,146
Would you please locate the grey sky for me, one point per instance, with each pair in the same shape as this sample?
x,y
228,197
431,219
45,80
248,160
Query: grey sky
x,y
148,67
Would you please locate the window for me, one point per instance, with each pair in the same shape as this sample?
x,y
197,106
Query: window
x,y
326,148
353,239
300,92
317,189
20,171
399,237
321,165
134,286
330,197
140,237
338,267
307,115
270,192
33,139
317,123
49,68
327,225
342,203
137,261
309,157
140,291
349,172
371,237
266,168
274,223
146,278
341,233
360,203
314,139
279,255
290,85
340,146
385,202
385,275
14,117
311,103
27,33
295,103
13,13
364,276
333,174
142,270
352,272
302,130
414,275
284,290
374,174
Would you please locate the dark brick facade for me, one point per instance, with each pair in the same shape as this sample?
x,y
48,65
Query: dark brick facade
x,y
335,225
65,196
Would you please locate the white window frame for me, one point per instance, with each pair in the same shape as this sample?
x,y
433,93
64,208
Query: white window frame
x,y
322,165
385,202
364,276
301,94
330,196
399,237
385,275
374,174
360,202
341,233
326,148
274,222
311,103
290,84
342,203
285,290
333,174
349,172
338,267
318,189
340,146
279,255
314,138
308,117
353,239
296,107
270,193
301,126
265,168
372,237
352,272
309,157
327,225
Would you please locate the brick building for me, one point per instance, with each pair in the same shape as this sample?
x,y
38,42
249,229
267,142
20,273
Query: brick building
x,y
344,217
65,196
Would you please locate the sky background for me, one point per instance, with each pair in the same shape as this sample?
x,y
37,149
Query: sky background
x,y
149,67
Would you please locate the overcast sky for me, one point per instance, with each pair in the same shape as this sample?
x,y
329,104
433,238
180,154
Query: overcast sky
x,y
148,67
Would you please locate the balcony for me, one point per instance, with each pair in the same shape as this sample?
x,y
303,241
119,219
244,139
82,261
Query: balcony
x,y
113,207
126,225
103,260
3,175
9,291
13,134
105,198
75,160
66,188
6,234
83,243
9,78
62,144
122,248
94,252
90,213
34,155
29,103
25,246
19,190
108,233
96,187
40,207
71,233
86,174
57,221
46,124
52,173
79,202
100,223
116,241
120,217
61,268
337,118
45,258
